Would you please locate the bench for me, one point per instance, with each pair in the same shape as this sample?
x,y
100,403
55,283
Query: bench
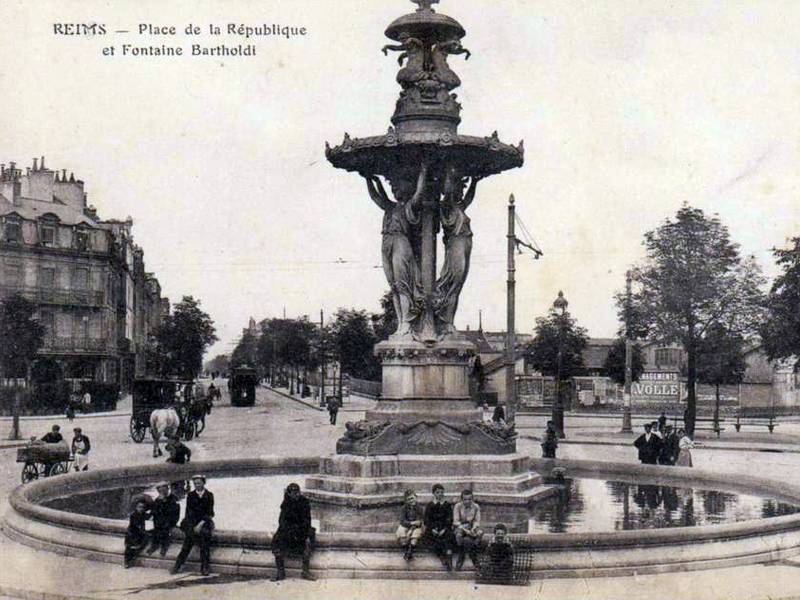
x,y
768,422
712,426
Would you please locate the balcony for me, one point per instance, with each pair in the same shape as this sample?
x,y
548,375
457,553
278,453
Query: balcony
x,y
77,345
58,296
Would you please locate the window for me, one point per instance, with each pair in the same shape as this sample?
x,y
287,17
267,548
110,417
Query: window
x,y
12,275
48,234
47,277
82,240
48,320
668,357
12,231
81,279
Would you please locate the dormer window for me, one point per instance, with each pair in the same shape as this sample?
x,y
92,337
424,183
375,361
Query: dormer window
x,y
82,240
48,233
12,230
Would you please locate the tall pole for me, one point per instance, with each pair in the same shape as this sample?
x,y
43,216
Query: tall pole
x,y
626,392
322,359
558,404
511,386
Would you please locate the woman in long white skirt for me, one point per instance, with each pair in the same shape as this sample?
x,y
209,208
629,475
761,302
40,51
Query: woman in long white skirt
x,y
685,444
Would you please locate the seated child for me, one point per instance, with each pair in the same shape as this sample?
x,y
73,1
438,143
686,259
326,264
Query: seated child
x,y
467,528
438,521
410,529
136,536
499,565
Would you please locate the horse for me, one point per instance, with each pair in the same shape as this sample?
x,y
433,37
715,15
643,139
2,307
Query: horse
x,y
163,421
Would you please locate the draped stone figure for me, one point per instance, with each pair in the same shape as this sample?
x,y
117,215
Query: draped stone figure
x,y
457,247
399,263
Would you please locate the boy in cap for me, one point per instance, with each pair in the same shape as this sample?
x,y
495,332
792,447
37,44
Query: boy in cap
x,y
80,449
197,525
166,514
135,535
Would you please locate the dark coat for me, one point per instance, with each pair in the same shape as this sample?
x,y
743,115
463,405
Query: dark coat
x,y
439,516
135,535
52,437
85,439
294,525
198,509
648,451
166,512
410,513
668,453
181,454
499,560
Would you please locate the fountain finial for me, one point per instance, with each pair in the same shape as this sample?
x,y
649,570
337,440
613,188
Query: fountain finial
x,y
425,4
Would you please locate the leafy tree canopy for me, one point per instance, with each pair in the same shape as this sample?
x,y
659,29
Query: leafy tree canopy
x,y
21,335
615,361
179,343
556,330
781,330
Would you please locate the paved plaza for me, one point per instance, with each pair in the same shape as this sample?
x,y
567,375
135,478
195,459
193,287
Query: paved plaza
x,y
280,426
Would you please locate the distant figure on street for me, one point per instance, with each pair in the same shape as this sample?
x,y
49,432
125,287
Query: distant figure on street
x,y
411,528
135,535
648,444
662,421
499,415
295,534
197,525
550,442
87,401
80,449
668,453
685,445
166,514
439,526
333,408
656,431
179,453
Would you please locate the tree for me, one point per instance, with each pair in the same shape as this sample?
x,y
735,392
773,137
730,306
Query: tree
x,y
246,351
220,364
615,361
21,337
693,278
384,323
557,330
720,360
182,338
355,341
781,330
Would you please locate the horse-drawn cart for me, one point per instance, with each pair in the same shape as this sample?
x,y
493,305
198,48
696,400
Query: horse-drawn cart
x,y
42,459
150,395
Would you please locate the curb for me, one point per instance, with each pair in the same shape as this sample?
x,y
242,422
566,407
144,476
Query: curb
x,y
99,415
290,397
33,595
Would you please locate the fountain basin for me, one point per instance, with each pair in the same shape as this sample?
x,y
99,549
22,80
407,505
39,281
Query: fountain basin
x,y
375,555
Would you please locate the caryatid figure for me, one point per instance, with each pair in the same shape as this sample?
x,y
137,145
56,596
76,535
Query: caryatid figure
x,y
399,263
457,247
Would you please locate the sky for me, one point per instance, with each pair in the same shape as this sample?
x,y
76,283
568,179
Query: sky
x,y
628,109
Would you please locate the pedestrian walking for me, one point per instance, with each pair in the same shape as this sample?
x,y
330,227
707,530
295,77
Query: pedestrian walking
x,y
80,449
550,442
197,525
295,535
166,514
333,408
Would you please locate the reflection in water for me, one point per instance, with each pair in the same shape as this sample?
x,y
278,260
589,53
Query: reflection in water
x,y
581,505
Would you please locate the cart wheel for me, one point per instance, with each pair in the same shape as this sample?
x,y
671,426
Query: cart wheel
x,y
138,431
58,468
199,427
29,473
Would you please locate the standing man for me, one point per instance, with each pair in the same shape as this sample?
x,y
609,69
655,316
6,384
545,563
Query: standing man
x,y
668,453
333,408
197,525
80,449
550,442
662,421
295,534
649,445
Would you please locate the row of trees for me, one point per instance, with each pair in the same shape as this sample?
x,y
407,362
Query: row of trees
x,y
694,288
293,347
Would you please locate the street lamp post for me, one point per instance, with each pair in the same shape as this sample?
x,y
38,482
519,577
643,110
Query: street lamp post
x,y
561,304
626,407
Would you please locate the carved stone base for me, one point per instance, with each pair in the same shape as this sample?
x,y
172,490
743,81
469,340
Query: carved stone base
x,y
360,481
370,438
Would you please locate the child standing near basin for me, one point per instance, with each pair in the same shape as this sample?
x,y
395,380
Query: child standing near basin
x,y
410,529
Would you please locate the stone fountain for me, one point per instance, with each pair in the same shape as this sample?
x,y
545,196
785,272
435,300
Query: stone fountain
x,y
425,427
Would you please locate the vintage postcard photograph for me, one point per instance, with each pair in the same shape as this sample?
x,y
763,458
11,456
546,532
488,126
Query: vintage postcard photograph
x,y
390,299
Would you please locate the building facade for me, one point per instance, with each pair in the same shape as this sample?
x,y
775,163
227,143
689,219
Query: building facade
x,y
86,276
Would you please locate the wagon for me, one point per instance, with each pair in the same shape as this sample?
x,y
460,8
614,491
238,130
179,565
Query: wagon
x,y
243,386
150,395
41,459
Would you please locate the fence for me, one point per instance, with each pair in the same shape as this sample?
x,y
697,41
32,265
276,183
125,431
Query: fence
x,y
364,387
